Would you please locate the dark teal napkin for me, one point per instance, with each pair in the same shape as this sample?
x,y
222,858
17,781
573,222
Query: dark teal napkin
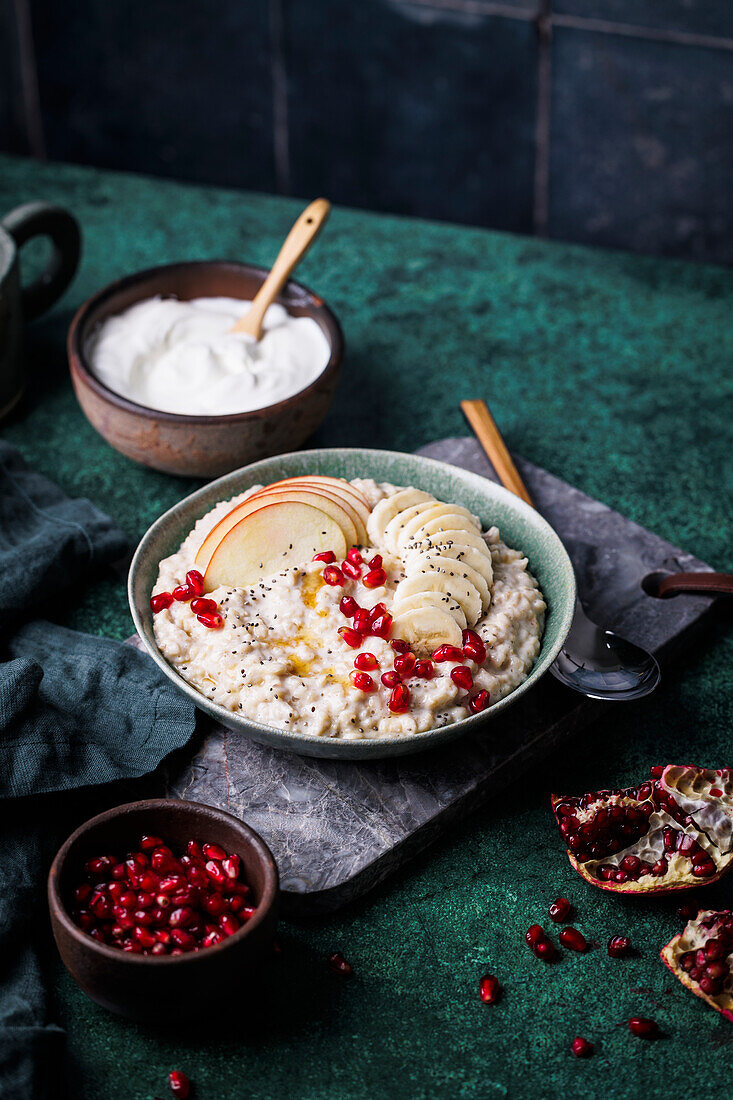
x,y
76,712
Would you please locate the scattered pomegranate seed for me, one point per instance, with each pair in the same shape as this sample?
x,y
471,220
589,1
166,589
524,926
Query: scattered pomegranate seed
x,y
425,669
391,679
183,593
448,653
213,622
581,1048
404,663
352,637
539,943
376,562
353,572
688,911
376,611
618,946
366,662
161,601
195,582
332,575
399,646
479,702
354,556
201,606
375,578
544,950
474,648
534,934
572,938
179,1083
462,677
326,556
643,1028
348,606
382,626
560,910
489,989
399,700
339,965
362,622
363,681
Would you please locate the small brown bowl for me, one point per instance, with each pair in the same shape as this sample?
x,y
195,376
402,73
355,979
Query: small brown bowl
x,y
200,446
166,988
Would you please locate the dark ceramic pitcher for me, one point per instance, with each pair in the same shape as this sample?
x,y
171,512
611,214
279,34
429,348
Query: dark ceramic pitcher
x,y
19,304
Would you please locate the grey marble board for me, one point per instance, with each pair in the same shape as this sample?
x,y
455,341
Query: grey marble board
x,y
338,828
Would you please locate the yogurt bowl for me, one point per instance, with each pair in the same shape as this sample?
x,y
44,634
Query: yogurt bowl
x,y
186,443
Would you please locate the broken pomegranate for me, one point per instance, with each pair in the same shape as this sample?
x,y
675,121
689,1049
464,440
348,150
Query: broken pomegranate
x,y
672,832
701,957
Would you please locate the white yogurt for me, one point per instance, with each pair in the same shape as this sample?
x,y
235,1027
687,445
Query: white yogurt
x,y
180,357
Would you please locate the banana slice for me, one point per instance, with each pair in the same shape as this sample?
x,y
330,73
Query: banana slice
x,y
395,526
440,538
448,581
449,520
388,508
459,569
426,628
432,599
459,551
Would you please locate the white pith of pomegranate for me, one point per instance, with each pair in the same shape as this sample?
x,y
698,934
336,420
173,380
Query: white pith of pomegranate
x,y
672,832
701,957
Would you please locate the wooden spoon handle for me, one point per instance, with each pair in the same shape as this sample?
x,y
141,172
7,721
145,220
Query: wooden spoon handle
x,y
479,417
296,244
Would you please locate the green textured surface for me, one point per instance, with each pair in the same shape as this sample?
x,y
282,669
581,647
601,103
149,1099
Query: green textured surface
x,y
611,371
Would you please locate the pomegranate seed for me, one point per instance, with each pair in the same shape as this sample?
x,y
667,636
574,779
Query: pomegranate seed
x,y
474,648
399,700
399,646
363,682
479,702
352,637
230,866
716,791
366,662
535,934
203,607
183,593
332,575
382,626
353,572
179,1083
462,677
560,910
195,582
425,669
171,883
375,578
391,679
215,872
619,946
581,1048
376,611
489,989
544,950
448,653
182,918
348,606
362,622
211,939
643,1028
326,556
572,938
404,663
248,912
339,965
182,938
161,601
376,562
214,904
144,937
98,865
354,556
82,892
213,851
212,621
147,843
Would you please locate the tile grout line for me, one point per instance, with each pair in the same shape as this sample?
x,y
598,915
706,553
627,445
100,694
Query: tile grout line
x,y
541,199
29,80
280,122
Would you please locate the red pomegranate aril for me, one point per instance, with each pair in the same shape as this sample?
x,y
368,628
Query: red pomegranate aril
x,y
179,1083
399,700
643,1028
535,934
163,861
201,606
131,946
391,679
214,904
339,965
376,562
145,900
248,912
230,866
211,620
161,601
399,646
376,611
489,989
181,918
382,626
544,950
229,924
366,662
448,653
375,578
354,556
182,938
332,575
213,851
211,939
363,681
462,677
171,883
474,648
353,572
326,556
404,663
148,842
348,606
572,938
144,936
195,581
98,865
82,892
215,872
581,1048
560,910
183,593
619,947
362,622
479,702
352,637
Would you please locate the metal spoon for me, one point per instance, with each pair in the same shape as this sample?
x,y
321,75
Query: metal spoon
x,y
593,661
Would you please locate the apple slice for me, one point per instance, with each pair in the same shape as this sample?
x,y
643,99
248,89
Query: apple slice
x,y
328,503
274,537
336,487
349,504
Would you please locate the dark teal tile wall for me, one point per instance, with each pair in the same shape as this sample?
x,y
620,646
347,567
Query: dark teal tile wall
x,y
682,16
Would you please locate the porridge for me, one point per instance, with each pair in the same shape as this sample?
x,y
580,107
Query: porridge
x,y
347,609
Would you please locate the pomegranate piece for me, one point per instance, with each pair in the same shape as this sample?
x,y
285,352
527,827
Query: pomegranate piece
x,y
405,663
479,702
183,593
462,677
362,622
366,662
375,578
669,833
339,965
581,1048
352,637
448,653
332,575
354,556
399,699
381,627
541,946
353,572
160,601
348,607
474,648
212,620
195,582
560,910
619,947
376,562
201,606
643,1027
363,681
179,1084
424,669
326,556
399,646
701,956
489,989
572,938
391,679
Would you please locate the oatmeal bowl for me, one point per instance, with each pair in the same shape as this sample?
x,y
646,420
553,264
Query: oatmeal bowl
x,y
352,603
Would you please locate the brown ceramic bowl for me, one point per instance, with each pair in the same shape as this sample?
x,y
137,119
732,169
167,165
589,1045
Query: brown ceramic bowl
x,y
201,446
166,988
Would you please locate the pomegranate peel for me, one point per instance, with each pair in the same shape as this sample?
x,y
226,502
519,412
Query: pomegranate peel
x,y
701,957
672,832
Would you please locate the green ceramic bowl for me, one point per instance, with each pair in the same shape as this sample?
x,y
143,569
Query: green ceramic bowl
x,y
520,526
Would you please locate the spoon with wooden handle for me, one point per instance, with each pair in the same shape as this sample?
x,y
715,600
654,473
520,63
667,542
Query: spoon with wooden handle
x,y
296,244
593,661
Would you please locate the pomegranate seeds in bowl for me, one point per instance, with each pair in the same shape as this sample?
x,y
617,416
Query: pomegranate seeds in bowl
x,y
162,903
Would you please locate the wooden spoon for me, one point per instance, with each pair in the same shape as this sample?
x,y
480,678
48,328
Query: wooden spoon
x,y
296,244
479,417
